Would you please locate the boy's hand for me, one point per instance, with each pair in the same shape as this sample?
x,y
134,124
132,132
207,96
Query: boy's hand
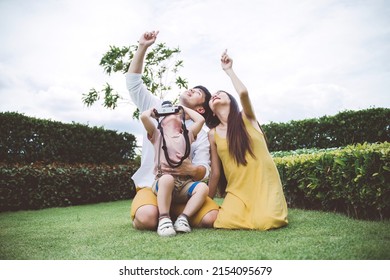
x,y
154,114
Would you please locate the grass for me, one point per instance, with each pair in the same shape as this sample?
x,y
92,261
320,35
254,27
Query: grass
x,y
104,232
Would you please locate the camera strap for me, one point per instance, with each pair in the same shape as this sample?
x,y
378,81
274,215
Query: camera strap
x,y
171,162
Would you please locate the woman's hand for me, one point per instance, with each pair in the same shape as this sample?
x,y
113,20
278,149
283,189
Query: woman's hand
x,y
226,61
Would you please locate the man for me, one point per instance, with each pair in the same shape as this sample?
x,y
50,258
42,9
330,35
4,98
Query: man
x,y
144,211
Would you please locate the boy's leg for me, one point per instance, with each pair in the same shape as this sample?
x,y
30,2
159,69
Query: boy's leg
x,y
204,217
197,194
164,189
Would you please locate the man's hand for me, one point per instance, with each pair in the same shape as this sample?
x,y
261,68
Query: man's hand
x,y
148,38
184,169
187,168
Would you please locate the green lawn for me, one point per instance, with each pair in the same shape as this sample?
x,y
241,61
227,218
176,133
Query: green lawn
x,y
104,232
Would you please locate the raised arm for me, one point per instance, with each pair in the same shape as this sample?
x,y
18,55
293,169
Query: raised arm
x,y
227,66
139,94
147,39
197,118
147,118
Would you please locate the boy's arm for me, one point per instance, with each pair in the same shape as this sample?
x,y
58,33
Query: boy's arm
x,y
148,120
197,119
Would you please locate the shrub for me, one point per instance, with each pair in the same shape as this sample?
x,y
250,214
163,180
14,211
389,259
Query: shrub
x,y
354,180
37,186
28,140
345,128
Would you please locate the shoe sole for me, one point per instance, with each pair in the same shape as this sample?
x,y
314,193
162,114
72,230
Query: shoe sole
x,y
173,233
182,230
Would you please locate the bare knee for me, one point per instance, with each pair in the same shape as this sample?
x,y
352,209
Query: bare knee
x,y
166,179
209,219
146,218
201,190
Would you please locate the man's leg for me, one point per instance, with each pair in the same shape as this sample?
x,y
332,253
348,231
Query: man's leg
x,y
208,219
144,211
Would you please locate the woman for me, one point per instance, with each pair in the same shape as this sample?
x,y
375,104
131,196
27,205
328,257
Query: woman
x,y
254,194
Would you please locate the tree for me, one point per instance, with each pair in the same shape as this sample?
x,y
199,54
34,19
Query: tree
x,y
161,63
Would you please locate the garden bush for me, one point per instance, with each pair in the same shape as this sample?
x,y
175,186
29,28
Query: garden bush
x,y
27,140
354,180
37,186
345,128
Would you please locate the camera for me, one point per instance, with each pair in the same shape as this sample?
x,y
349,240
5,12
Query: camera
x,y
167,109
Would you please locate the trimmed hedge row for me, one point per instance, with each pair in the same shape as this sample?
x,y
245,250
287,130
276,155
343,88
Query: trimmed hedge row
x,y
342,129
38,186
27,140
354,180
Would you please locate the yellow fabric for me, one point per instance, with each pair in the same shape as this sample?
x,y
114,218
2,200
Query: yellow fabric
x,y
255,198
145,196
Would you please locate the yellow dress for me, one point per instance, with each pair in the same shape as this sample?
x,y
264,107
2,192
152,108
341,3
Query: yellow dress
x,y
254,198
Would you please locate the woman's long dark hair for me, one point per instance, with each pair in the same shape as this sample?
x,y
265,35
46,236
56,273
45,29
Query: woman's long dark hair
x,y
239,142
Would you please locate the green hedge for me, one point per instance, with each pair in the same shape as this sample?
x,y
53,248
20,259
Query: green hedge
x,y
37,186
26,140
345,128
354,180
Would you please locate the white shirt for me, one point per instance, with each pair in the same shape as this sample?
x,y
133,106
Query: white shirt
x,y
144,100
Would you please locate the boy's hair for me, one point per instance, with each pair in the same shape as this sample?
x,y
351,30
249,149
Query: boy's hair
x,y
207,110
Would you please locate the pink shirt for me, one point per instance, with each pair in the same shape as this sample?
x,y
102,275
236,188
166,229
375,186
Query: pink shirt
x,y
176,146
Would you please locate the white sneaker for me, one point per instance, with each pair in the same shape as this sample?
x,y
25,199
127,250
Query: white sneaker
x,y
182,225
165,228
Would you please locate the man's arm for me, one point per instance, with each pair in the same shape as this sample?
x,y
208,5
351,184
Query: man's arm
x,y
146,40
139,94
196,172
201,156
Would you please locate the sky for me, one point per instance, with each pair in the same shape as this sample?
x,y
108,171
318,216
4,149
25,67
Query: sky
x,y
298,58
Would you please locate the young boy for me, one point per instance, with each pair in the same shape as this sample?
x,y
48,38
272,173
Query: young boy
x,y
170,144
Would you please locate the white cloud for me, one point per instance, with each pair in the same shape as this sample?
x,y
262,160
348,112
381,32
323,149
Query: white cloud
x,y
298,58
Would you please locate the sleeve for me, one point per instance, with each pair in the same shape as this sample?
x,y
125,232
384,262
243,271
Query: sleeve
x,y
139,94
201,152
